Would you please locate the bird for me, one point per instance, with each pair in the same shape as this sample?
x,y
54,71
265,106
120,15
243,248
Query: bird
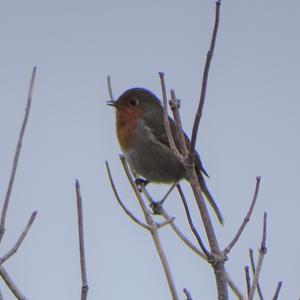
x,y
143,140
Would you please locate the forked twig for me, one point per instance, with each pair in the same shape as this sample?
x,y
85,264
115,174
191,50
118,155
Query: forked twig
x,y
20,240
16,157
84,286
246,219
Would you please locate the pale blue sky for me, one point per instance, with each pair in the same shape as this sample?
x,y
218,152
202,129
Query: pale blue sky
x,y
250,127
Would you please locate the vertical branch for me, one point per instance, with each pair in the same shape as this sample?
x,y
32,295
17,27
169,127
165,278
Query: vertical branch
x,y
261,297
247,276
84,287
277,290
111,95
205,78
16,157
262,252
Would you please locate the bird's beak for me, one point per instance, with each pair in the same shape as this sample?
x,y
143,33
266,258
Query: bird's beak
x,y
112,103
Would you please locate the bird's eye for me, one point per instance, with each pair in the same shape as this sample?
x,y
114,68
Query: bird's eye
x,y
133,101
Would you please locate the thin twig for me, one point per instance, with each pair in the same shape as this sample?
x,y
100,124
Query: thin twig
x,y
168,193
84,286
261,297
246,219
126,210
188,294
183,237
9,282
279,285
20,240
16,157
182,140
247,277
166,119
194,230
205,79
153,230
234,288
262,252
111,95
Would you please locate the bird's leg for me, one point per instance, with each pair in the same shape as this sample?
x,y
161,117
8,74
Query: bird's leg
x,y
168,193
156,206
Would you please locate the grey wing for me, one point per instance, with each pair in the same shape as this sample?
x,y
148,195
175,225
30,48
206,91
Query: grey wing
x,y
158,129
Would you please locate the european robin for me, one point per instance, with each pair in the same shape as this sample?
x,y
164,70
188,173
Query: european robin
x,y
143,140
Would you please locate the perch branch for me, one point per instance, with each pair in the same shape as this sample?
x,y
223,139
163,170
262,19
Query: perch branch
x,y
153,230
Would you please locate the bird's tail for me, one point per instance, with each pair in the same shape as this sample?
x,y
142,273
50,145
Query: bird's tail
x,y
208,195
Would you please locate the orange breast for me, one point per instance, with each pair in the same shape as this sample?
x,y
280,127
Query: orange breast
x,y
126,123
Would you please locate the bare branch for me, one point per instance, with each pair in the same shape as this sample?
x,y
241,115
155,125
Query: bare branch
x,y
234,288
9,282
16,157
108,79
166,119
154,231
183,237
127,211
277,290
246,219
21,238
262,252
261,297
194,230
247,276
205,79
174,103
84,287
188,294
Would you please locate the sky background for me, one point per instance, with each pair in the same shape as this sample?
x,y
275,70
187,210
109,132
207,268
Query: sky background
x,y
250,127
